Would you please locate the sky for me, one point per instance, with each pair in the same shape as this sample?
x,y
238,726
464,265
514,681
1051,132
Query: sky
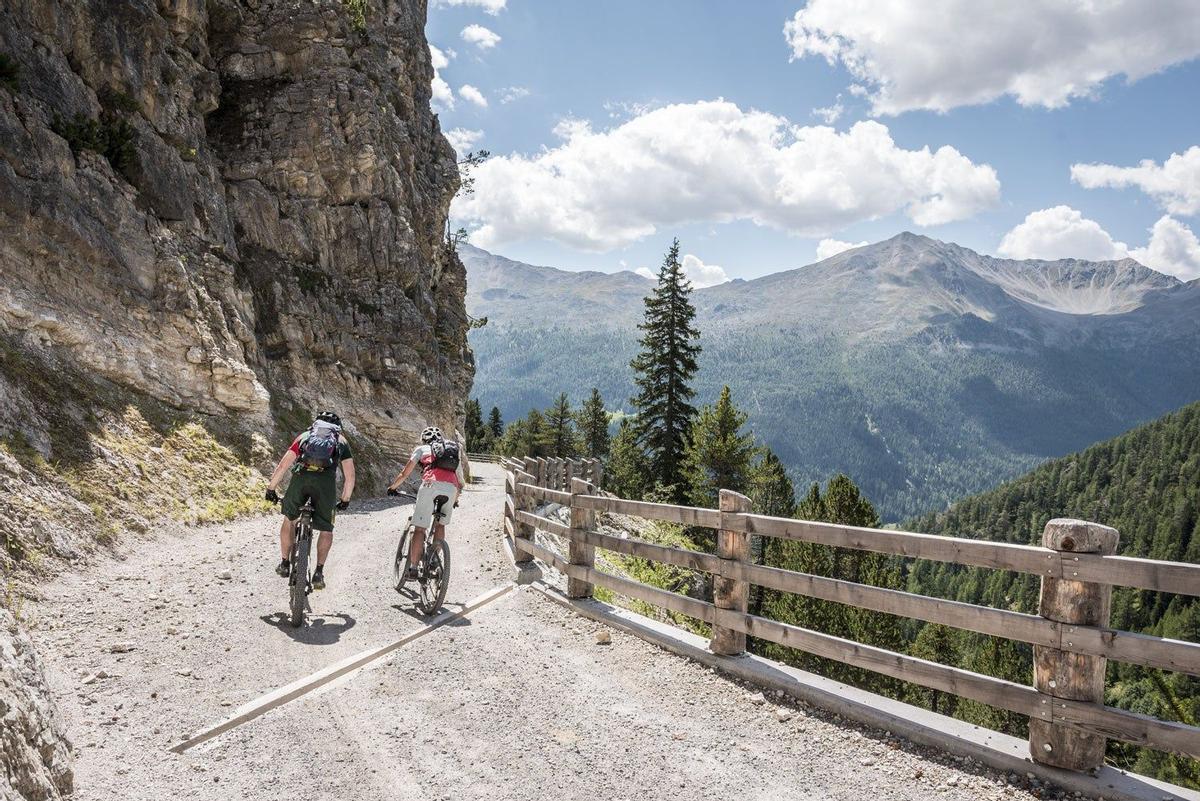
x,y
767,134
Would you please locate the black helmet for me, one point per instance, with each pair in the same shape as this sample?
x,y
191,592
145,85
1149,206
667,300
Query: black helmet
x,y
331,418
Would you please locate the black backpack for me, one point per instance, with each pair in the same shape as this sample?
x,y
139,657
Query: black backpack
x,y
446,455
319,451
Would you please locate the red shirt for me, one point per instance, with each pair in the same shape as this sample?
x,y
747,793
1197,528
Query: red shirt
x,y
423,456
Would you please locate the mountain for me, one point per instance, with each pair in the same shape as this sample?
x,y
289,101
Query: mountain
x,y
923,369
1146,484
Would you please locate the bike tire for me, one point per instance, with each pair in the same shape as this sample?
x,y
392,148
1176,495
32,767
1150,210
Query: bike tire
x,y
400,563
298,583
437,578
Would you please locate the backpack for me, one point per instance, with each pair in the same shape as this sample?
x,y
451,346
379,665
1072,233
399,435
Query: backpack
x,y
319,448
445,455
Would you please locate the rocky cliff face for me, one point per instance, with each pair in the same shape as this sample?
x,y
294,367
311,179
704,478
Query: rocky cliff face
x,y
215,218
35,761
234,208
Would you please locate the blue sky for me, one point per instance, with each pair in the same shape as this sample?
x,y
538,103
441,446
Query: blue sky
x,y
618,62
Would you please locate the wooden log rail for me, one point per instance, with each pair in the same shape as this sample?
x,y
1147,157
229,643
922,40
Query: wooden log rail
x,y
1069,723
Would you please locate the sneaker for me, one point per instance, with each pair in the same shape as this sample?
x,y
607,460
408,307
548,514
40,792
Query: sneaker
x,y
318,580
283,568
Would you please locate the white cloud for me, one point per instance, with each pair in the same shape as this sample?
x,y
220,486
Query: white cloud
x,y
832,247
700,274
1060,233
712,162
472,95
831,114
492,7
1175,184
443,95
480,36
510,93
1064,233
1173,249
463,140
938,54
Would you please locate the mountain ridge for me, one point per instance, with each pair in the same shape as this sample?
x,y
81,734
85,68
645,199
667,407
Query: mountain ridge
x,y
923,369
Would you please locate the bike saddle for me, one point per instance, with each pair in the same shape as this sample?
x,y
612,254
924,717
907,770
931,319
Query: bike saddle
x,y
438,503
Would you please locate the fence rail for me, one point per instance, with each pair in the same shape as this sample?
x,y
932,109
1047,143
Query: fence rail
x,y
1069,723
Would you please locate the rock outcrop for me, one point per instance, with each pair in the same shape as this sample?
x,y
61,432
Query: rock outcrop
x,y
35,760
235,208
215,218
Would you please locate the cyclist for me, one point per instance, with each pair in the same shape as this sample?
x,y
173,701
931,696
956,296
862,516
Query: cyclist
x,y
313,461
437,478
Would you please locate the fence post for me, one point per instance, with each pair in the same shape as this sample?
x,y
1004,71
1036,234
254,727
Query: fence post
x,y
522,501
579,553
539,471
1059,673
598,473
510,506
731,593
568,474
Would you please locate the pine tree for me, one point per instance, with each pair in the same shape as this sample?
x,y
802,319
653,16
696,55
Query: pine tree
x,y
718,455
936,643
665,366
560,429
538,437
625,474
593,426
770,488
475,431
495,424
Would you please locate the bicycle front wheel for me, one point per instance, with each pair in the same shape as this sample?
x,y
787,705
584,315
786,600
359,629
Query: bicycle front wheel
x,y
400,563
437,578
298,584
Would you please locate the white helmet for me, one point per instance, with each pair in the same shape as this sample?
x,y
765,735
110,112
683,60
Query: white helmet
x,y
430,434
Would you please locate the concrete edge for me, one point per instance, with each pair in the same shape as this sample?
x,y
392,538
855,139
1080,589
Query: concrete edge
x,y
996,750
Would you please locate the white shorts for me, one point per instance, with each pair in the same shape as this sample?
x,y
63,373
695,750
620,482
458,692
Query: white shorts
x,y
423,508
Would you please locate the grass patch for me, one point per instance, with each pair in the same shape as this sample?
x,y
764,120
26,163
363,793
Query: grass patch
x,y
356,12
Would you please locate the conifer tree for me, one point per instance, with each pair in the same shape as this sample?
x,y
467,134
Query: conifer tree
x,y
538,437
937,644
593,426
495,424
625,474
665,366
561,437
770,488
475,432
718,455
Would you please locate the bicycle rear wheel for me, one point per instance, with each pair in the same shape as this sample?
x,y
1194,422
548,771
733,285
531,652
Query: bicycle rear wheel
x,y
400,563
298,583
437,578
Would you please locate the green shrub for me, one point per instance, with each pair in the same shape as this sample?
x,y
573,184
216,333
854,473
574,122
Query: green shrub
x,y
357,11
110,136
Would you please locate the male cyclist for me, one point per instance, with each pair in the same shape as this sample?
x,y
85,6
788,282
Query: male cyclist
x,y
436,479
313,461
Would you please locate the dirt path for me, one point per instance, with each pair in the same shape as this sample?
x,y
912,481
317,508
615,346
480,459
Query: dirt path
x,y
515,701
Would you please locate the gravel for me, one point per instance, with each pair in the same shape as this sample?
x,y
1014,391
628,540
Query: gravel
x,y
515,701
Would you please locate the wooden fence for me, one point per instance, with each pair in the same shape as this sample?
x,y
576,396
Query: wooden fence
x,y
1068,721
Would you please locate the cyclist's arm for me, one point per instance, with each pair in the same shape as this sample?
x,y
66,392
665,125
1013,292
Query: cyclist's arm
x,y
285,464
347,479
404,474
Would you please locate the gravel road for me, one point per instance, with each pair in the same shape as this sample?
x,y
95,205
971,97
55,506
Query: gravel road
x,y
515,701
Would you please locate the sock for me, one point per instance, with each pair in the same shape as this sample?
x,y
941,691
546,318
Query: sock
x,y
321,567
287,561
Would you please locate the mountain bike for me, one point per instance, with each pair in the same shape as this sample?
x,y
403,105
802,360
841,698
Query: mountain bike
x,y
300,580
433,573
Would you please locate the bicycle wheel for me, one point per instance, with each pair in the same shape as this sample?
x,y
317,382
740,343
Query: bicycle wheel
x,y
400,563
298,584
437,578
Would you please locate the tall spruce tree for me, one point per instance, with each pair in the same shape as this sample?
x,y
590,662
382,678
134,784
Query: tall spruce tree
x,y
665,366
593,426
560,429
475,432
718,454
495,424
625,474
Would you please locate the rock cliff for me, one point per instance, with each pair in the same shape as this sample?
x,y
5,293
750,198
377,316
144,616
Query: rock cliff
x,y
215,218
234,208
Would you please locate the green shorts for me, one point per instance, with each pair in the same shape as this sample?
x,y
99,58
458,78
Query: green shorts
x,y
321,486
